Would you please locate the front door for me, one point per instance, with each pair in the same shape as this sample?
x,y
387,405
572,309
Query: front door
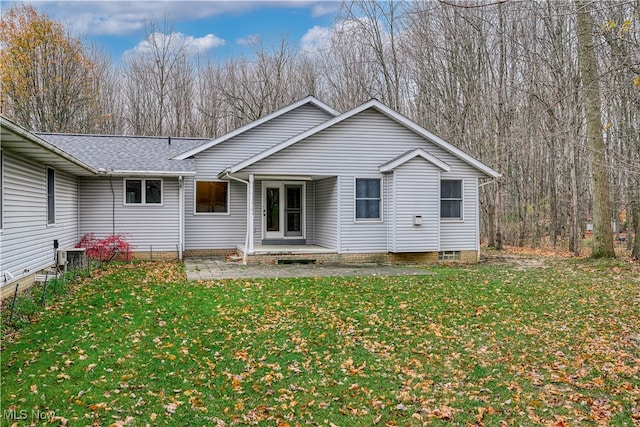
x,y
283,210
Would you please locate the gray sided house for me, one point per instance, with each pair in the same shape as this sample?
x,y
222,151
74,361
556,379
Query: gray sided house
x,y
303,182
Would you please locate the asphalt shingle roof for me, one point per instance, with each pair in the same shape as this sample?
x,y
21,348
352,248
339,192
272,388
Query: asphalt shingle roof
x,y
142,154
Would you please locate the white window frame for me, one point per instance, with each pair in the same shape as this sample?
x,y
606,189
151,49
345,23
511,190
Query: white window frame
x,y
143,201
355,201
195,195
50,208
452,219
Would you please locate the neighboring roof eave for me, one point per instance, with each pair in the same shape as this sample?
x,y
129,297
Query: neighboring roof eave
x,y
35,139
148,173
374,103
256,123
418,152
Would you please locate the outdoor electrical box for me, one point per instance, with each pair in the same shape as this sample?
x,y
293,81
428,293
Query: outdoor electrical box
x,y
62,258
417,220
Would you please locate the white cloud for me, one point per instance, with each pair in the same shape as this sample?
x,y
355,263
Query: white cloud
x,y
193,45
250,40
325,8
316,39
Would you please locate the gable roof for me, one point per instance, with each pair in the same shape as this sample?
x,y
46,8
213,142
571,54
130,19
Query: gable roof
x,y
385,111
129,155
30,145
411,154
308,100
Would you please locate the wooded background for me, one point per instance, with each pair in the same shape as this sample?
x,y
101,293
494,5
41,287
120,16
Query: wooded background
x,y
509,82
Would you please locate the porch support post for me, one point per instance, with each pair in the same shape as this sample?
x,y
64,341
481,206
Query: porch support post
x,y
251,213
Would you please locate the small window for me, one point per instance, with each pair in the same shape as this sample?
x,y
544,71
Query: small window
x,y
212,197
367,199
143,191
51,196
449,256
451,199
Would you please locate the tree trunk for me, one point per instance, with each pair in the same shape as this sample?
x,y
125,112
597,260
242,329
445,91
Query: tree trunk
x,y
635,220
602,235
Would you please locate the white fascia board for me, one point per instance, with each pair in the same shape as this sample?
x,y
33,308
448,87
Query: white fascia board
x,y
418,152
437,140
256,123
35,139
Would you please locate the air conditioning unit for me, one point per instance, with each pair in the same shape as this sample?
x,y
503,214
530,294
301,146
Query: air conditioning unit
x,y
61,258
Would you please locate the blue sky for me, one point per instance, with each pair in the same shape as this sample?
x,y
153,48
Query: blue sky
x,y
214,28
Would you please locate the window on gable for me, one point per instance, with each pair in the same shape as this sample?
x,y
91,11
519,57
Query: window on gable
x,y
143,191
51,196
212,197
451,198
368,199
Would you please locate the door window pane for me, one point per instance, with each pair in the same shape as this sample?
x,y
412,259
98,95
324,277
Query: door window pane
x,y
273,209
294,210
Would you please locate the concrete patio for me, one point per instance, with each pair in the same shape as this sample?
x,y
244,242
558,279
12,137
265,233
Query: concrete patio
x,y
217,268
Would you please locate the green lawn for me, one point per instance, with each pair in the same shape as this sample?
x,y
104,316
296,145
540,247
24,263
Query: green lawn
x,y
469,345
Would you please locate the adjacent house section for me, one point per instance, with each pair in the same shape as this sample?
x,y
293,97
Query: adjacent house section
x,y
138,190
39,203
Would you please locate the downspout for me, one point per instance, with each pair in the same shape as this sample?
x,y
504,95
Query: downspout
x,y
246,239
113,206
478,213
181,208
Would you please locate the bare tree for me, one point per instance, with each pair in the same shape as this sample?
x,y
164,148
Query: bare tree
x,y
602,216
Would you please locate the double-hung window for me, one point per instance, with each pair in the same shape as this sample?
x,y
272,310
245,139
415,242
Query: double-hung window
x,y
368,198
212,197
451,199
51,196
143,191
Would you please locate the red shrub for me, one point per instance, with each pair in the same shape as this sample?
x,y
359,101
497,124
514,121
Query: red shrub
x,y
106,249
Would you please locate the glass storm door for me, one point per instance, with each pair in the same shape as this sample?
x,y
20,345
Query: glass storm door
x,y
282,210
293,211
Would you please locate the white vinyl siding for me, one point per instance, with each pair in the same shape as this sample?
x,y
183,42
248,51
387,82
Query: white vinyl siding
x,y
326,224
220,232
1,189
357,147
27,240
216,231
461,235
149,227
416,194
